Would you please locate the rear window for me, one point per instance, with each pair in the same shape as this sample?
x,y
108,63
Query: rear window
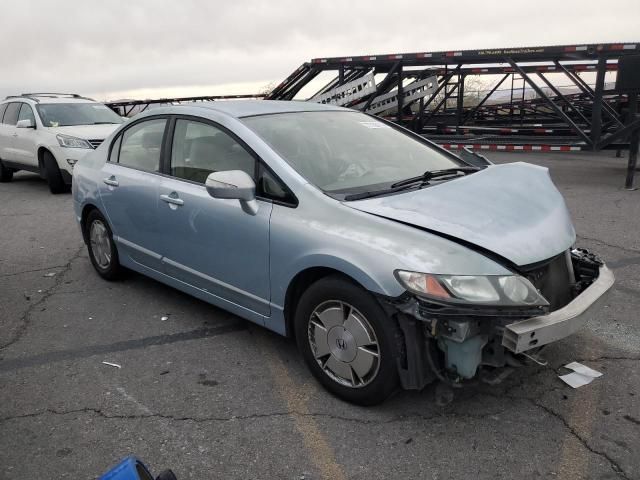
x,y
11,114
3,107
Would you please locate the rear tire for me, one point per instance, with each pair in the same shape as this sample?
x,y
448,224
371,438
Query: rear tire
x,y
53,175
6,174
347,340
101,247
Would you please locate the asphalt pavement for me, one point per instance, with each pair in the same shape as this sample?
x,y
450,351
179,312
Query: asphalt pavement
x,y
212,396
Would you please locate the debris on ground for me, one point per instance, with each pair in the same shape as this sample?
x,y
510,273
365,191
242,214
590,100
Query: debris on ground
x,y
164,318
581,375
112,364
50,274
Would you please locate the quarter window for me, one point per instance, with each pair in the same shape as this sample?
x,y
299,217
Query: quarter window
x,y
199,149
270,187
11,115
26,113
3,107
141,145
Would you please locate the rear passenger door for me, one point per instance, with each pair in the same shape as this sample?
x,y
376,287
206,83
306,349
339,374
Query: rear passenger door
x,y
211,243
129,191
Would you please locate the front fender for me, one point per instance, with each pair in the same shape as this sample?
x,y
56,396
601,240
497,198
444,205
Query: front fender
x,y
323,233
335,262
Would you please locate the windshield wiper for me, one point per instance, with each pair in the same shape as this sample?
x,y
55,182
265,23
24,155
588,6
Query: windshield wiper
x,y
430,174
409,182
374,193
104,123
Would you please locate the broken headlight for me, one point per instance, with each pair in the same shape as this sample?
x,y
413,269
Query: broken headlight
x,y
507,290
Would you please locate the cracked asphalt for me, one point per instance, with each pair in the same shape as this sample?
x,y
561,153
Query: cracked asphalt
x,y
212,396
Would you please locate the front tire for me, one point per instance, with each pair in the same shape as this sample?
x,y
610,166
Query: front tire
x,y
6,174
102,249
347,341
53,175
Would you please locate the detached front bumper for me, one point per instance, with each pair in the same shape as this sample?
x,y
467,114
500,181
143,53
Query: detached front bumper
x,y
537,331
452,343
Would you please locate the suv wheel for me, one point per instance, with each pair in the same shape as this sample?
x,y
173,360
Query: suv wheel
x,y
348,341
102,249
53,175
6,174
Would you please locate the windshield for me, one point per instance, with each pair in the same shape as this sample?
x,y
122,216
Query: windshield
x,y
344,152
68,114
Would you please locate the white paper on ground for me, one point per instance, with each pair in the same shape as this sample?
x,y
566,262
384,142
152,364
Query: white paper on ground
x,y
583,370
576,380
582,375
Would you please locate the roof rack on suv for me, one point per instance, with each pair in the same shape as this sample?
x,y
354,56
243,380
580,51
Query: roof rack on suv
x,y
33,96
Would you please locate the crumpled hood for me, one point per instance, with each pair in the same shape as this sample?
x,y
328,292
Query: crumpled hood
x,y
87,132
513,210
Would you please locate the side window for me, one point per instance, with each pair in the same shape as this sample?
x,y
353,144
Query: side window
x,y
115,150
199,149
141,145
3,107
271,187
11,114
26,113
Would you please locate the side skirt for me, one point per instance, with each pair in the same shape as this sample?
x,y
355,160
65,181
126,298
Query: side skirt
x,y
199,293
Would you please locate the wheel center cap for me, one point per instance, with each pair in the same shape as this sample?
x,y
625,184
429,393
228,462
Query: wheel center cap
x,y
342,344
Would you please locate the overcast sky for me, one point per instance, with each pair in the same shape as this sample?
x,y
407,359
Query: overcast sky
x,y
147,49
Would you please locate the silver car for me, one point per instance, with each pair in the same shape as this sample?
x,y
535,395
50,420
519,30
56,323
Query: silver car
x,y
391,261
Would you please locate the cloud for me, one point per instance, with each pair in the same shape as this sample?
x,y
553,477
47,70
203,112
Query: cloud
x,y
121,48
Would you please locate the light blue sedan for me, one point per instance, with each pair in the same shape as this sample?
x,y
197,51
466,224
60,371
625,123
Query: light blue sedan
x,y
391,261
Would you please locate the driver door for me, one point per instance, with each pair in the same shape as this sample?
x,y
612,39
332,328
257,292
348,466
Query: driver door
x,y
24,140
8,132
209,243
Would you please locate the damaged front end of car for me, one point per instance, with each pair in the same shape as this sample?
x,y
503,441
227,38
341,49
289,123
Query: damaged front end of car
x,y
457,328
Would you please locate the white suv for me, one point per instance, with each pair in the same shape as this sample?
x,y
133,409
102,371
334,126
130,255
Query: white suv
x,y
48,133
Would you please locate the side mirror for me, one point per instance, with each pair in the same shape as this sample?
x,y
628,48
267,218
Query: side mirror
x,y
234,184
26,123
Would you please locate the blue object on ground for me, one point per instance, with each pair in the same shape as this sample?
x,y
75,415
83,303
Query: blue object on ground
x,y
128,469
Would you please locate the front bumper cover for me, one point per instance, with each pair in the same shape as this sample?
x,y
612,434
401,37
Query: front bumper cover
x,y
537,331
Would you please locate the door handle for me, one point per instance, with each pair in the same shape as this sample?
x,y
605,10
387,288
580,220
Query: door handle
x,y
172,199
15,135
111,181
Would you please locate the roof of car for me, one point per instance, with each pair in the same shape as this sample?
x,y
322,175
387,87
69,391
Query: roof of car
x,y
248,108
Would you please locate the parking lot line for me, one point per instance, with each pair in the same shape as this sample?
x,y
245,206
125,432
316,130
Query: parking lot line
x,y
574,462
316,443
